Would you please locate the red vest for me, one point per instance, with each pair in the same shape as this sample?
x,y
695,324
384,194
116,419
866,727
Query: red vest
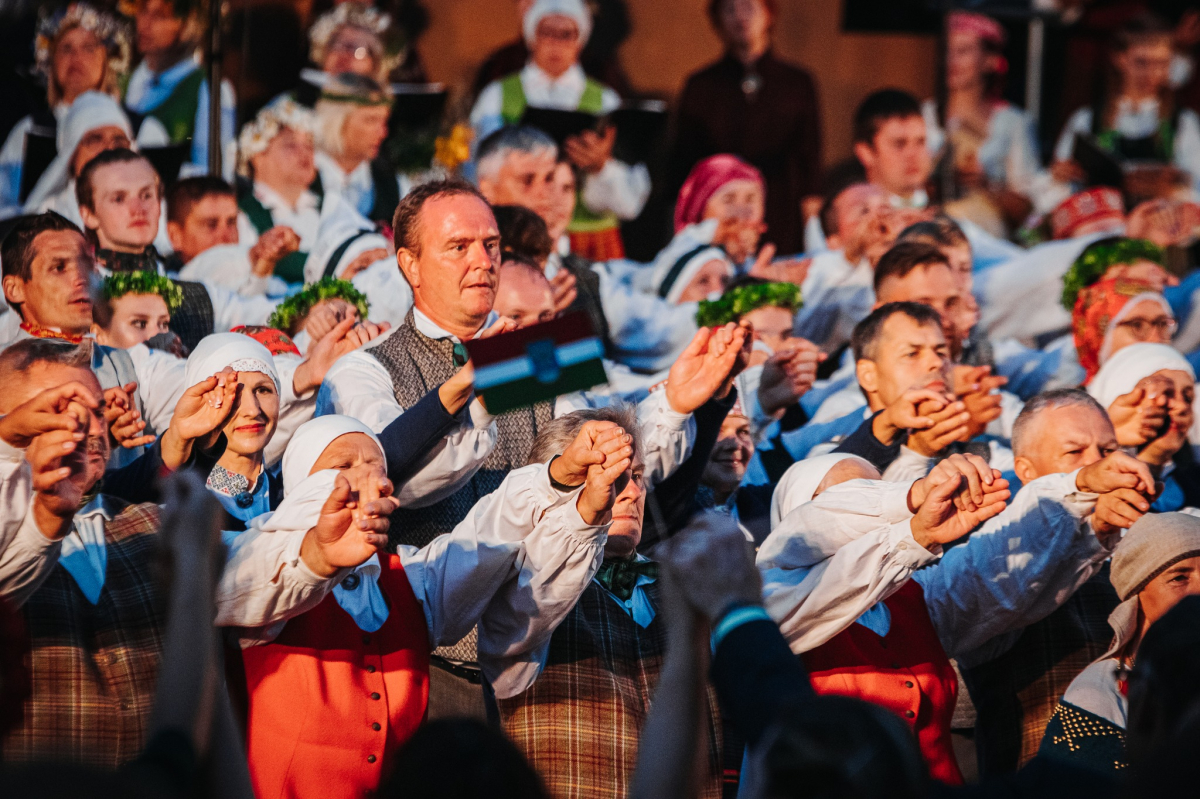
x,y
906,671
329,704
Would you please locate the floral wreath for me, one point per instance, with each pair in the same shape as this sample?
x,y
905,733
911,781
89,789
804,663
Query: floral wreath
x,y
1098,258
256,135
111,30
297,306
357,15
741,300
118,284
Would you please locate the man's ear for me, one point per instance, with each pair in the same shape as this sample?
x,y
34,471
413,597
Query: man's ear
x,y
867,374
174,233
90,220
14,289
1024,469
407,262
865,154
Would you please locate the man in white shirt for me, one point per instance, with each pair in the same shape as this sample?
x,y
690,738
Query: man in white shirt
x,y
889,141
448,247
556,31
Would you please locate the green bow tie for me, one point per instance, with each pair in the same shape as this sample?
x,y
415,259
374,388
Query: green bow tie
x,y
620,576
460,355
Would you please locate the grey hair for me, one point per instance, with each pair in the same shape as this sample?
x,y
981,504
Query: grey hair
x,y
340,96
1046,401
557,435
17,358
489,158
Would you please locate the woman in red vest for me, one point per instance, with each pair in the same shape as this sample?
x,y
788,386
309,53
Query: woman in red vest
x,y
336,690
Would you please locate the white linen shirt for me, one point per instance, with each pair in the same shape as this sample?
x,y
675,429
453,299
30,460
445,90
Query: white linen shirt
x,y
618,187
1011,572
304,217
359,386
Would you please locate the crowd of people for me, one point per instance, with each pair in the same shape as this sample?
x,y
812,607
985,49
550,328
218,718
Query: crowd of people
x,y
891,488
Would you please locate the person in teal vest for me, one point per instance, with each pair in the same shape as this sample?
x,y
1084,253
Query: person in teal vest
x,y
168,89
279,185
610,191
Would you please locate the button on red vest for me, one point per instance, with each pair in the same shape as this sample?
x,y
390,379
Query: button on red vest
x,y
906,671
329,704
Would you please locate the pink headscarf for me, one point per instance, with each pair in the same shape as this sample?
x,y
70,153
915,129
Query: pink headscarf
x,y
705,179
986,28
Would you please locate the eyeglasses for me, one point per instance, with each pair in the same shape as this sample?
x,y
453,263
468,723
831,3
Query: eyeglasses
x,y
357,53
1142,328
563,35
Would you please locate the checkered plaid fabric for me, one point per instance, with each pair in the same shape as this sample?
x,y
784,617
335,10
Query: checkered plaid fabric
x,y
93,667
580,722
1016,693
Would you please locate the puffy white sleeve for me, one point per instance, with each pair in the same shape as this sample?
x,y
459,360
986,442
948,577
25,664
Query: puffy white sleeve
x,y
456,576
26,555
832,559
1078,122
619,188
358,385
231,309
647,331
294,410
1017,567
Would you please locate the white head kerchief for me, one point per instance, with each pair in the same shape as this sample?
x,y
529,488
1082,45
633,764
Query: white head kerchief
x,y
235,350
358,594
91,110
575,9
1119,316
1122,371
679,262
310,440
800,482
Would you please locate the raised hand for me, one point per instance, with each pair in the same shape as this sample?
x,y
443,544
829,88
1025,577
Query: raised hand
x,y
346,336
1138,416
124,421
1118,510
939,520
911,411
590,150
593,444
347,533
713,565
980,476
271,247
66,407
58,462
950,424
323,317
1172,437
974,388
563,284
1116,470
206,406
788,375
707,366
605,480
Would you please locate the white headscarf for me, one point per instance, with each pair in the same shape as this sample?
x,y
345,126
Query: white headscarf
x,y
91,110
311,439
679,262
1122,371
575,9
800,482
305,494
1119,316
235,350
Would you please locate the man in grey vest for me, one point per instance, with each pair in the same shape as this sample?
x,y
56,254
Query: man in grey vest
x,y
448,247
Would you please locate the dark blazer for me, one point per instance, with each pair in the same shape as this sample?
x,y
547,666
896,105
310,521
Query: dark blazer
x,y
755,674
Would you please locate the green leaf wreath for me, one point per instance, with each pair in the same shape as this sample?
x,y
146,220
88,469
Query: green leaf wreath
x,y
741,300
296,307
1098,258
118,284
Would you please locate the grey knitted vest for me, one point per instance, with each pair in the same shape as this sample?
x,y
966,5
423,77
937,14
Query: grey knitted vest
x,y
417,365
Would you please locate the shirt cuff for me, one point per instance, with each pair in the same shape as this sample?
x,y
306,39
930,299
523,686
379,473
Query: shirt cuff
x,y
1078,503
906,550
479,416
300,572
576,528
894,502
31,541
667,417
9,453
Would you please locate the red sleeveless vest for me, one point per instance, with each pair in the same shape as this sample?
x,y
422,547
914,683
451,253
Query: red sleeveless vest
x,y
329,704
906,671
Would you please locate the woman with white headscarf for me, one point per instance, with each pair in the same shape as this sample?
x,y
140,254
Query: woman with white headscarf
x,y
1149,391
228,442
350,672
94,123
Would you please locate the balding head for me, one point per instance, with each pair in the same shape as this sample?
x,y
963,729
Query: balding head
x,y
1060,431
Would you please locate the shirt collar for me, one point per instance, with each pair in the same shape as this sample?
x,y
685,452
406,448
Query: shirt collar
x,y
430,329
326,163
533,77
272,200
